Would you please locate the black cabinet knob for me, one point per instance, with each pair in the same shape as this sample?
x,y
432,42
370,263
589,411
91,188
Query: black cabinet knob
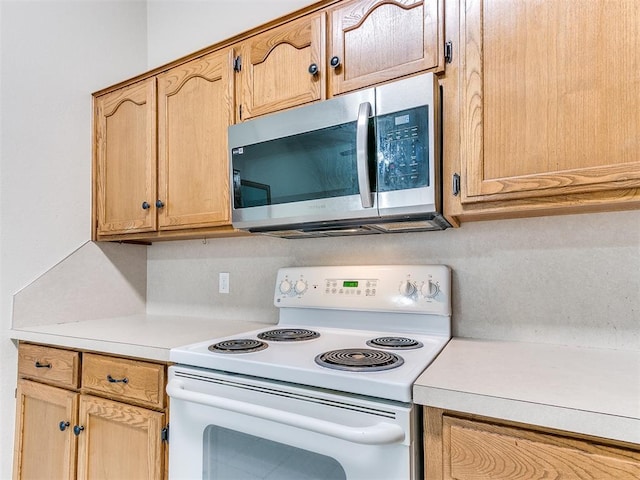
x,y
146,206
334,62
77,429
313,69
63,425
159,204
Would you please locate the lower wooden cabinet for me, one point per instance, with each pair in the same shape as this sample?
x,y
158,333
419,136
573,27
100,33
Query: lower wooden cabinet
x,y
111,426
45,446
463,447
118,440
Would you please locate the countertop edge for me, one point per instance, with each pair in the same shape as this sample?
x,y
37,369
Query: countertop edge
x,y
571,420
159,354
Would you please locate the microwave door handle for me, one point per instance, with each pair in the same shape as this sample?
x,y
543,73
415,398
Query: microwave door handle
x,y
362,154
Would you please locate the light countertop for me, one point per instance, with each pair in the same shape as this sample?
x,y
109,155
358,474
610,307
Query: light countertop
x,y
143,336
583,390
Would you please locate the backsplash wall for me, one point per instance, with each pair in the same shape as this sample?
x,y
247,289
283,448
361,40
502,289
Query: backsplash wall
x,y
572,280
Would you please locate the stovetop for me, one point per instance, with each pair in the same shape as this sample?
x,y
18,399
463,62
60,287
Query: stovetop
x,y
341,310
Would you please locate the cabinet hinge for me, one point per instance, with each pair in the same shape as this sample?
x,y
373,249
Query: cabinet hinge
x,y
240,112
237,63
456,185
448,52
164,434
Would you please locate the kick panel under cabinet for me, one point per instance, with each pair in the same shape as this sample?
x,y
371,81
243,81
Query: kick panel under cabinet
x,y
67,429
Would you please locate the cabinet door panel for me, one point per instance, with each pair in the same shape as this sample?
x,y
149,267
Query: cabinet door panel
x,y
275,67
195,109
473,450
550,97
126,159
378,40
41,449
118,441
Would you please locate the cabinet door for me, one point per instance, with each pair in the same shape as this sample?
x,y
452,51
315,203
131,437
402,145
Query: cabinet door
x,y
277,67
195,109
125,159
474,450
43,447
118,441
378,40
549,93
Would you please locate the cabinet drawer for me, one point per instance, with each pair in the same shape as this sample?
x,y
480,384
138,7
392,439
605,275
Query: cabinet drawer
x,y
48,364
128,380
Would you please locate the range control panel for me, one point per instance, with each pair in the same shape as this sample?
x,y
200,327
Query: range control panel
x,y
419,288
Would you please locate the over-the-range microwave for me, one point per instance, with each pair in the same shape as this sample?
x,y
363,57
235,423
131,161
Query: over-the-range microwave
x,y
361,163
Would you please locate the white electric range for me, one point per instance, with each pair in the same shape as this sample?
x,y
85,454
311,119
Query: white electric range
x,y
333,377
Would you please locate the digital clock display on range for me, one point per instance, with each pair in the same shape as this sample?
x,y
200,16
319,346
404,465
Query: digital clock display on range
x,y
350,283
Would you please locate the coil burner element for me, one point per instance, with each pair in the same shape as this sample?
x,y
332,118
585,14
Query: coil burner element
x,y
400,343
288,335
239,345
359,360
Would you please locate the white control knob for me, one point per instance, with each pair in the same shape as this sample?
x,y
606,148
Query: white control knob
x,y
301,286
285,286
407,288
430,289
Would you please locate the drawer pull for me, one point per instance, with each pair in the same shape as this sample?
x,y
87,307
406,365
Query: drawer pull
x,y
42,365
63,425
77,429
116,380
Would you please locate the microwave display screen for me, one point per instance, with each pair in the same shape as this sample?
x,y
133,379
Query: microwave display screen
x,y
403,150
350,283
307,166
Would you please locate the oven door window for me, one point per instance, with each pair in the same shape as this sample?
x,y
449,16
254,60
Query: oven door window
x,y
238,456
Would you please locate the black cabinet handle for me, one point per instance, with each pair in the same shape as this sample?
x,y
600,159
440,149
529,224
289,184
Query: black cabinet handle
x,y
77,429
159,204
116,380
63,425
334,62
146,206
42,365
313,69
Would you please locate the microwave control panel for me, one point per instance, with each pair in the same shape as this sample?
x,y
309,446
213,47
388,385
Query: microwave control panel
x,y
403,155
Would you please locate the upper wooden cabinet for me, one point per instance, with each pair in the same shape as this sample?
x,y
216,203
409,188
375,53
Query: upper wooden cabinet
x,y
147,182
373,41
195,108
367,42
282,67
125,159
549,102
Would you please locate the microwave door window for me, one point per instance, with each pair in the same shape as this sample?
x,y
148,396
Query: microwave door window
x,y
307,166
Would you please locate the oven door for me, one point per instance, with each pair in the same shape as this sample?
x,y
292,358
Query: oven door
x,y
308,164
226,426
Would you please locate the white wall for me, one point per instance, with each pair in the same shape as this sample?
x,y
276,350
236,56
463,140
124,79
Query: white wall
x,y
179,27
54,54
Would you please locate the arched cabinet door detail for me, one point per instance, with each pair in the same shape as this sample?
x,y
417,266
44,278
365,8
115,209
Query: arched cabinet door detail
x,y
195,108
282,68
374,41
125,159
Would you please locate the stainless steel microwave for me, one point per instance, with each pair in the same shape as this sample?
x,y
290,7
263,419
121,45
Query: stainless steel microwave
x,y
364,162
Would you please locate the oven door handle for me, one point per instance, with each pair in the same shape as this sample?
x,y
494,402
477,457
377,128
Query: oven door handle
x,y
379,434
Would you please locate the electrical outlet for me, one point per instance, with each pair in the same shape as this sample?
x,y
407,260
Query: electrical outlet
x,y
223,282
